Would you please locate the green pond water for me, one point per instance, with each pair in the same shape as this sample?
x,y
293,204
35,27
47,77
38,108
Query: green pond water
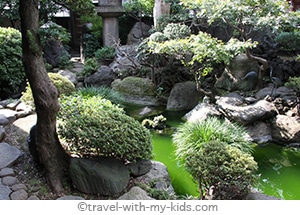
x,y
279,167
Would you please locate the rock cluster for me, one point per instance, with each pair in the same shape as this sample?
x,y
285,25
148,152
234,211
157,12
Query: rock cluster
x,y
266,119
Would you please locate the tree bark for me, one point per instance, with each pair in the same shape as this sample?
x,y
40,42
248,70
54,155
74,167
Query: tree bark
x,y
45,94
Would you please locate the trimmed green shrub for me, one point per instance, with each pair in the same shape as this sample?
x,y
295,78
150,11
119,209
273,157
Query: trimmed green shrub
x,y
63,84
105,53
288,41
93,126
217,154
222,169
90,67
11,66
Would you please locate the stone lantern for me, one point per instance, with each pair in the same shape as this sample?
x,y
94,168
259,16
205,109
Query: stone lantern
x,y
110,10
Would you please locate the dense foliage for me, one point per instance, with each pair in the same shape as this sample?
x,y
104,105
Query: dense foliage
x,y
293,83
139,8
288,41
222,171
217,154
92,125
105,53
11,66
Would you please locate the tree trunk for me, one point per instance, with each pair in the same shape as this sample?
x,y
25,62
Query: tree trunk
x,y
45,94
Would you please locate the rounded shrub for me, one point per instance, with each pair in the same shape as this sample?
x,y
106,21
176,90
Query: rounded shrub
x,y
63,84
222,171
217,154
11,67
288,41
93,126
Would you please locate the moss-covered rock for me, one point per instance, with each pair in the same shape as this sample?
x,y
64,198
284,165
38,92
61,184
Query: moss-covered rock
x,y
137,91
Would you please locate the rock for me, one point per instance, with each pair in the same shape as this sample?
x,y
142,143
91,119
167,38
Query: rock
x,y
201,112
53,52
232,78
103,77
19,195
282,92
285,129
2,132
13,105
7,172
248,114
135,193
3,120
140,167
4,192
33,197
9,114
159,175
183,96
125,60
18,187
25,123
69,75
139,31
8,155
103,176
9,180
146,112
23,110
137,91
259,132
255,195
70,198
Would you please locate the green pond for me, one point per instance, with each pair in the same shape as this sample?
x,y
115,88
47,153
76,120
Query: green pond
x,y
279,167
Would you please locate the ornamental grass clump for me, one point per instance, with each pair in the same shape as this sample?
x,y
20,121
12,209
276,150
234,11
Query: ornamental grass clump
x,y
93,126
218,156
191,135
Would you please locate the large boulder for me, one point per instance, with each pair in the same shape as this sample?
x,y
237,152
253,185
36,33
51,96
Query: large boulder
x,y
282,92
137,91
139,31
183,96
201,112
286,129
103,175
125,60
241,74
259,132
245,114
54,51
103,77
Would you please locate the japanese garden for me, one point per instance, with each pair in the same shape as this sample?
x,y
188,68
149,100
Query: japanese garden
x,y
150,100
